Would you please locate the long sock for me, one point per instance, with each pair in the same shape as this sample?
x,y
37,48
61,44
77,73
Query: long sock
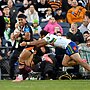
x,y
25,72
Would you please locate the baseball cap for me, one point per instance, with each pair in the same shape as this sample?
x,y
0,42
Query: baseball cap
x,y
35,21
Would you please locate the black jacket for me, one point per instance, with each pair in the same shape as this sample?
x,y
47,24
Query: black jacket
x,y
42,8
78,37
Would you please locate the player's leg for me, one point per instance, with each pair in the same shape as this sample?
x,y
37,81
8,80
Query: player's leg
x,y
78,59
24,66
67,61
28,62
72,52
25,54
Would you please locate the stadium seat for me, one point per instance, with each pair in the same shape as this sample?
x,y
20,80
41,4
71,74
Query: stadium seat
x,y
19,5
79,24
65,27
43,24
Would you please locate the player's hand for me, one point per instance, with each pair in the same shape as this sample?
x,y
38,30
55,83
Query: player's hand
x,y
8,53
0,57
23,43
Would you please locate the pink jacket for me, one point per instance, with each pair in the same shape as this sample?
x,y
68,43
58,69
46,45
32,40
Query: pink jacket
x,y
50,27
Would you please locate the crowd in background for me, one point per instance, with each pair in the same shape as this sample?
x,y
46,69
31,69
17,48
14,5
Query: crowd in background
x,y
22,20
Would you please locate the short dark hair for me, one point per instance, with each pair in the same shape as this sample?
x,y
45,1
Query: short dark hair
x,y
87,13
58,9
43,33
69,35
22,16
86,32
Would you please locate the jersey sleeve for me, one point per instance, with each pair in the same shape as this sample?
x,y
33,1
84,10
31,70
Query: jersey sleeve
x,y
50,38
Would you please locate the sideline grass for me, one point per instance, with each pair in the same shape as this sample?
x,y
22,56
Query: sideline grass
x,y
46,85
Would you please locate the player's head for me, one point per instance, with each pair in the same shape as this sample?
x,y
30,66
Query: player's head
x,y
43,33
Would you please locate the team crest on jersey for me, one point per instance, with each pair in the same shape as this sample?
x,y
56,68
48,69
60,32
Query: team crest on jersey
x,y
53,40
47,38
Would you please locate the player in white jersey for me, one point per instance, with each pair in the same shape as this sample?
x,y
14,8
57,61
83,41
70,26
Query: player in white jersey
x,y
71,57
58,41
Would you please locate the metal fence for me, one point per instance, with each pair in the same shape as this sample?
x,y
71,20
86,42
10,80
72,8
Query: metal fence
x,y
85,54
4,63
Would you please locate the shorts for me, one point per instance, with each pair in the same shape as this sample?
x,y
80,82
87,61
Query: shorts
x,y
72,48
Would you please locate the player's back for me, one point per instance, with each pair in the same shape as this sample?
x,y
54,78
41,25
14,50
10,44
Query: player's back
x,y
57,41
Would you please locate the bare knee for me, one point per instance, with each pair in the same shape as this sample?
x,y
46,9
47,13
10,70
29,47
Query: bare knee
x,y
24,55
64,63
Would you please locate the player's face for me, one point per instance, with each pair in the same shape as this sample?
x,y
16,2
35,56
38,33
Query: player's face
x,y
22,21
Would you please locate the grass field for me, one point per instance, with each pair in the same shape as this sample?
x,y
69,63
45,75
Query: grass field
x,y
46,85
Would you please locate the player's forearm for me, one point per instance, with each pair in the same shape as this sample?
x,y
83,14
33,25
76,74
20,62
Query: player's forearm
x,y
38,43
41,44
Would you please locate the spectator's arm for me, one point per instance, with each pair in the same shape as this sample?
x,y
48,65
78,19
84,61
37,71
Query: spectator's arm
x,y
46,28
61,30
69,17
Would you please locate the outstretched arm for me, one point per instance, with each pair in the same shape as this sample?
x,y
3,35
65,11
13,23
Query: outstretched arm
x,y
37,43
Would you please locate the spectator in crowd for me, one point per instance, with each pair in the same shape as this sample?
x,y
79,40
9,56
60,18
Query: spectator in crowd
x,y
36,29
76,13
23,33
59,17
87,17
66,5
31,14
12,39
33,2
7,32
88,5
74,34
48,15
13,13
57,31
18,1
83,26
86,34
51,26
88,41
6,11
55,4
41,7
21,1
24,7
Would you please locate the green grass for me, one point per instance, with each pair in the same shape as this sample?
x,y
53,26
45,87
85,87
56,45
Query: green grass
x,y
46,85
